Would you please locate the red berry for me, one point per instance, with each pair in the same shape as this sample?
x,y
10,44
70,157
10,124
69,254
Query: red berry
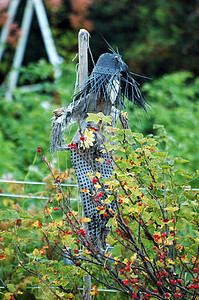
x,y
176,295
154,247
94,180
76,251
62,207
125,282
69,145
56,208
69,214
195,270
127,268
96,200
82,138
159,283
140,204
105,214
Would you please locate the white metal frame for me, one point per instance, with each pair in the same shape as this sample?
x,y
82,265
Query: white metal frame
x,y
53,56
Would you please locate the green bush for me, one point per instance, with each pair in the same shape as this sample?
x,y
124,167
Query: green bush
x,y
174,103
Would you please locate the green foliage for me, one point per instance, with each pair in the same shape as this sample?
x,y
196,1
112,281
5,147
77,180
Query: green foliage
x,y
160,36
154,230
173,103
26,120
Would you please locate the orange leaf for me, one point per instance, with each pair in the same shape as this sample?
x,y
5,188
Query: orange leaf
x,y
84,191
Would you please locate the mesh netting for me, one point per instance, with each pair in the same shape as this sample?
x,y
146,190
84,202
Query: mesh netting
x,y
84,162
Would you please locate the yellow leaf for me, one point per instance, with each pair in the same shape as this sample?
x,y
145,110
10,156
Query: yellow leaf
x,y
134,256
54,224
85,251
116,260
58,197
48,210
37,224
179,247
185,259
98,174
168,242
36,252
90,175
193,260
172,208
101,160
97,186
85,220
170,261
19,292
125,261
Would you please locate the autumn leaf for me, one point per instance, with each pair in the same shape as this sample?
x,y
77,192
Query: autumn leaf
x,y
48,210
97,174
97,186
170,261
185,259
37,224
193,260
84,191
101,160
95,291
86,220
179,247
2,256
36,252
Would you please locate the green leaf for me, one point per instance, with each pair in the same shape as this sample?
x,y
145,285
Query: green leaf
x,y
11,287
9,214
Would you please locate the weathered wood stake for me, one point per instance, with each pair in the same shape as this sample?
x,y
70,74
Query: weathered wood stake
x,y
83,44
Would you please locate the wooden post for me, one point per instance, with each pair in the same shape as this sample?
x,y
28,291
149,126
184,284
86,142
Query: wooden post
x,y
83,44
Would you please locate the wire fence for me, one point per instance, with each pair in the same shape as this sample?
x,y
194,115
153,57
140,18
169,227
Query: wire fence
x,y
29,196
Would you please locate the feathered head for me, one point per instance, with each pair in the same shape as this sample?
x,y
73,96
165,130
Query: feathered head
x,y
111,81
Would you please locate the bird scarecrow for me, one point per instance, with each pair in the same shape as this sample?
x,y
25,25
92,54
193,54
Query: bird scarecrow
x,y
104,91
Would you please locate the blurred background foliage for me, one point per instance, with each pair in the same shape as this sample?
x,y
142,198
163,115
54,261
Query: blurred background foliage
x,y
157,38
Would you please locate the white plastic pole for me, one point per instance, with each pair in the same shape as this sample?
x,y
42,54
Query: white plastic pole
x,y
53,57
20,50
6,28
